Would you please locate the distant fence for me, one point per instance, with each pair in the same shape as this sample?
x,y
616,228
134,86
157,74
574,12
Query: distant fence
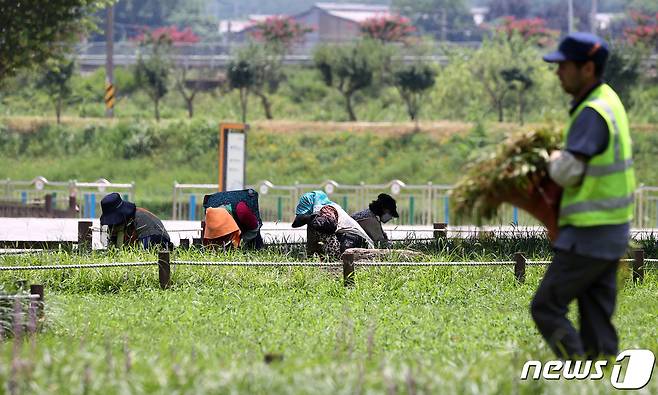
x,y
75,198
418,204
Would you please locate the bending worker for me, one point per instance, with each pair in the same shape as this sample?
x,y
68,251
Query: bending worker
x,y
378,212
347,231
132,225
595,169
229,227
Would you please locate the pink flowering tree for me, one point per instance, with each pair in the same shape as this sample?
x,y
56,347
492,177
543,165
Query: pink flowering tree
x,y
170,33
645,30
387,28
533,30
280,32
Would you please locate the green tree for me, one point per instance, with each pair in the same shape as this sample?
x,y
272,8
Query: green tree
x,y
266,64
623,69
56,81
241,76
153,69
187,88
497,64
520,81
33,31
413,82
348,68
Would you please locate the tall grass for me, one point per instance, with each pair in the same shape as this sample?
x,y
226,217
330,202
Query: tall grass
x,y
461,330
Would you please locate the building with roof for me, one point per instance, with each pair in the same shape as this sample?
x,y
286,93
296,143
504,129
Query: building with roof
x,y
334,22
331,22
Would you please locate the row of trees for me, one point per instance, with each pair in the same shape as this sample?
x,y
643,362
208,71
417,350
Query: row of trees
x,y
507,66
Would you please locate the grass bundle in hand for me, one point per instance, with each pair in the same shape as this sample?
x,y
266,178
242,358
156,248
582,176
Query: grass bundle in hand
x,y
512,173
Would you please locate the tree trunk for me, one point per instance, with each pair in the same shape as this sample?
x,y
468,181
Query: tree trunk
x,y
58,109
499,104
244,97
190,106
267,106
410,108
157,110
348,106
521,108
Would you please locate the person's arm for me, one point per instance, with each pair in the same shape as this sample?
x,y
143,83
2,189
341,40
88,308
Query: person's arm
x,y
301,220
588,136
566,169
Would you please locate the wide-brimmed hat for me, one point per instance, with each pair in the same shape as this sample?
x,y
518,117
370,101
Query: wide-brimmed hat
x,y
116,210
389,204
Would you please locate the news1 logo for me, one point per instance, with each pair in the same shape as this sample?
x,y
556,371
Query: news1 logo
x,y
637,374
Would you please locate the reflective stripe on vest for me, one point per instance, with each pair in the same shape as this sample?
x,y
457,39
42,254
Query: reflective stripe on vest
x,y
596,205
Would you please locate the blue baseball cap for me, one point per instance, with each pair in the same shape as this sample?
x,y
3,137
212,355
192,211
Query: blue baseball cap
x,y
580,47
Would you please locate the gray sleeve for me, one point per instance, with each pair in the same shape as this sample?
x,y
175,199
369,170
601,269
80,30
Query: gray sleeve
x,y
588,135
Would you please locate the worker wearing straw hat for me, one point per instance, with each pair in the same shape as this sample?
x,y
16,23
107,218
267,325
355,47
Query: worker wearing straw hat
x,y
595,169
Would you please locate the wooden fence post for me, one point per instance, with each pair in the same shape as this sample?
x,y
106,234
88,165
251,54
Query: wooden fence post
x,y
164,269
440,230
73,204
184,244
348,269
49,204
37,289
638,266
519,267
84,236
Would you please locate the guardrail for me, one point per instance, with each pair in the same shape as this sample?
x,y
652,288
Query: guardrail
x,y
218,55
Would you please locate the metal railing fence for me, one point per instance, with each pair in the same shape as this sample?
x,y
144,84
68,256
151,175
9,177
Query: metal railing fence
x,y
88,195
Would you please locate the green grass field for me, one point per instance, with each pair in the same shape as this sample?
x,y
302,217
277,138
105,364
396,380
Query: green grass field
x,y
450,330
154,156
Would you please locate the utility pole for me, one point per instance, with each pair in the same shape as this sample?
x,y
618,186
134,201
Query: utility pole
x,y
570,16
109,63
592,16
444,24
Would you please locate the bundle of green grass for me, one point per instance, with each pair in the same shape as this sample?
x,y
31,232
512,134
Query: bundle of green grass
x,y
514,172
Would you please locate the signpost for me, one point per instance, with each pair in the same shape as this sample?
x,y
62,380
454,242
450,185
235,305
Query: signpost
x,y
232,154
109,98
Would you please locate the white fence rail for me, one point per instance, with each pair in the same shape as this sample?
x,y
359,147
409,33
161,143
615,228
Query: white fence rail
x,y
418,204
87,195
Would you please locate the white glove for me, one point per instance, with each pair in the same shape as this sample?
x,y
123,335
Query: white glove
x,y
565,169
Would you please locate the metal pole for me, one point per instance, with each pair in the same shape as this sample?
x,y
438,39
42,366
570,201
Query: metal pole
x,y
570,17
592,16
109,54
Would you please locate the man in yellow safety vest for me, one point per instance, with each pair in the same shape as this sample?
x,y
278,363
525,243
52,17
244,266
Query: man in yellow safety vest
x,y
595,168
